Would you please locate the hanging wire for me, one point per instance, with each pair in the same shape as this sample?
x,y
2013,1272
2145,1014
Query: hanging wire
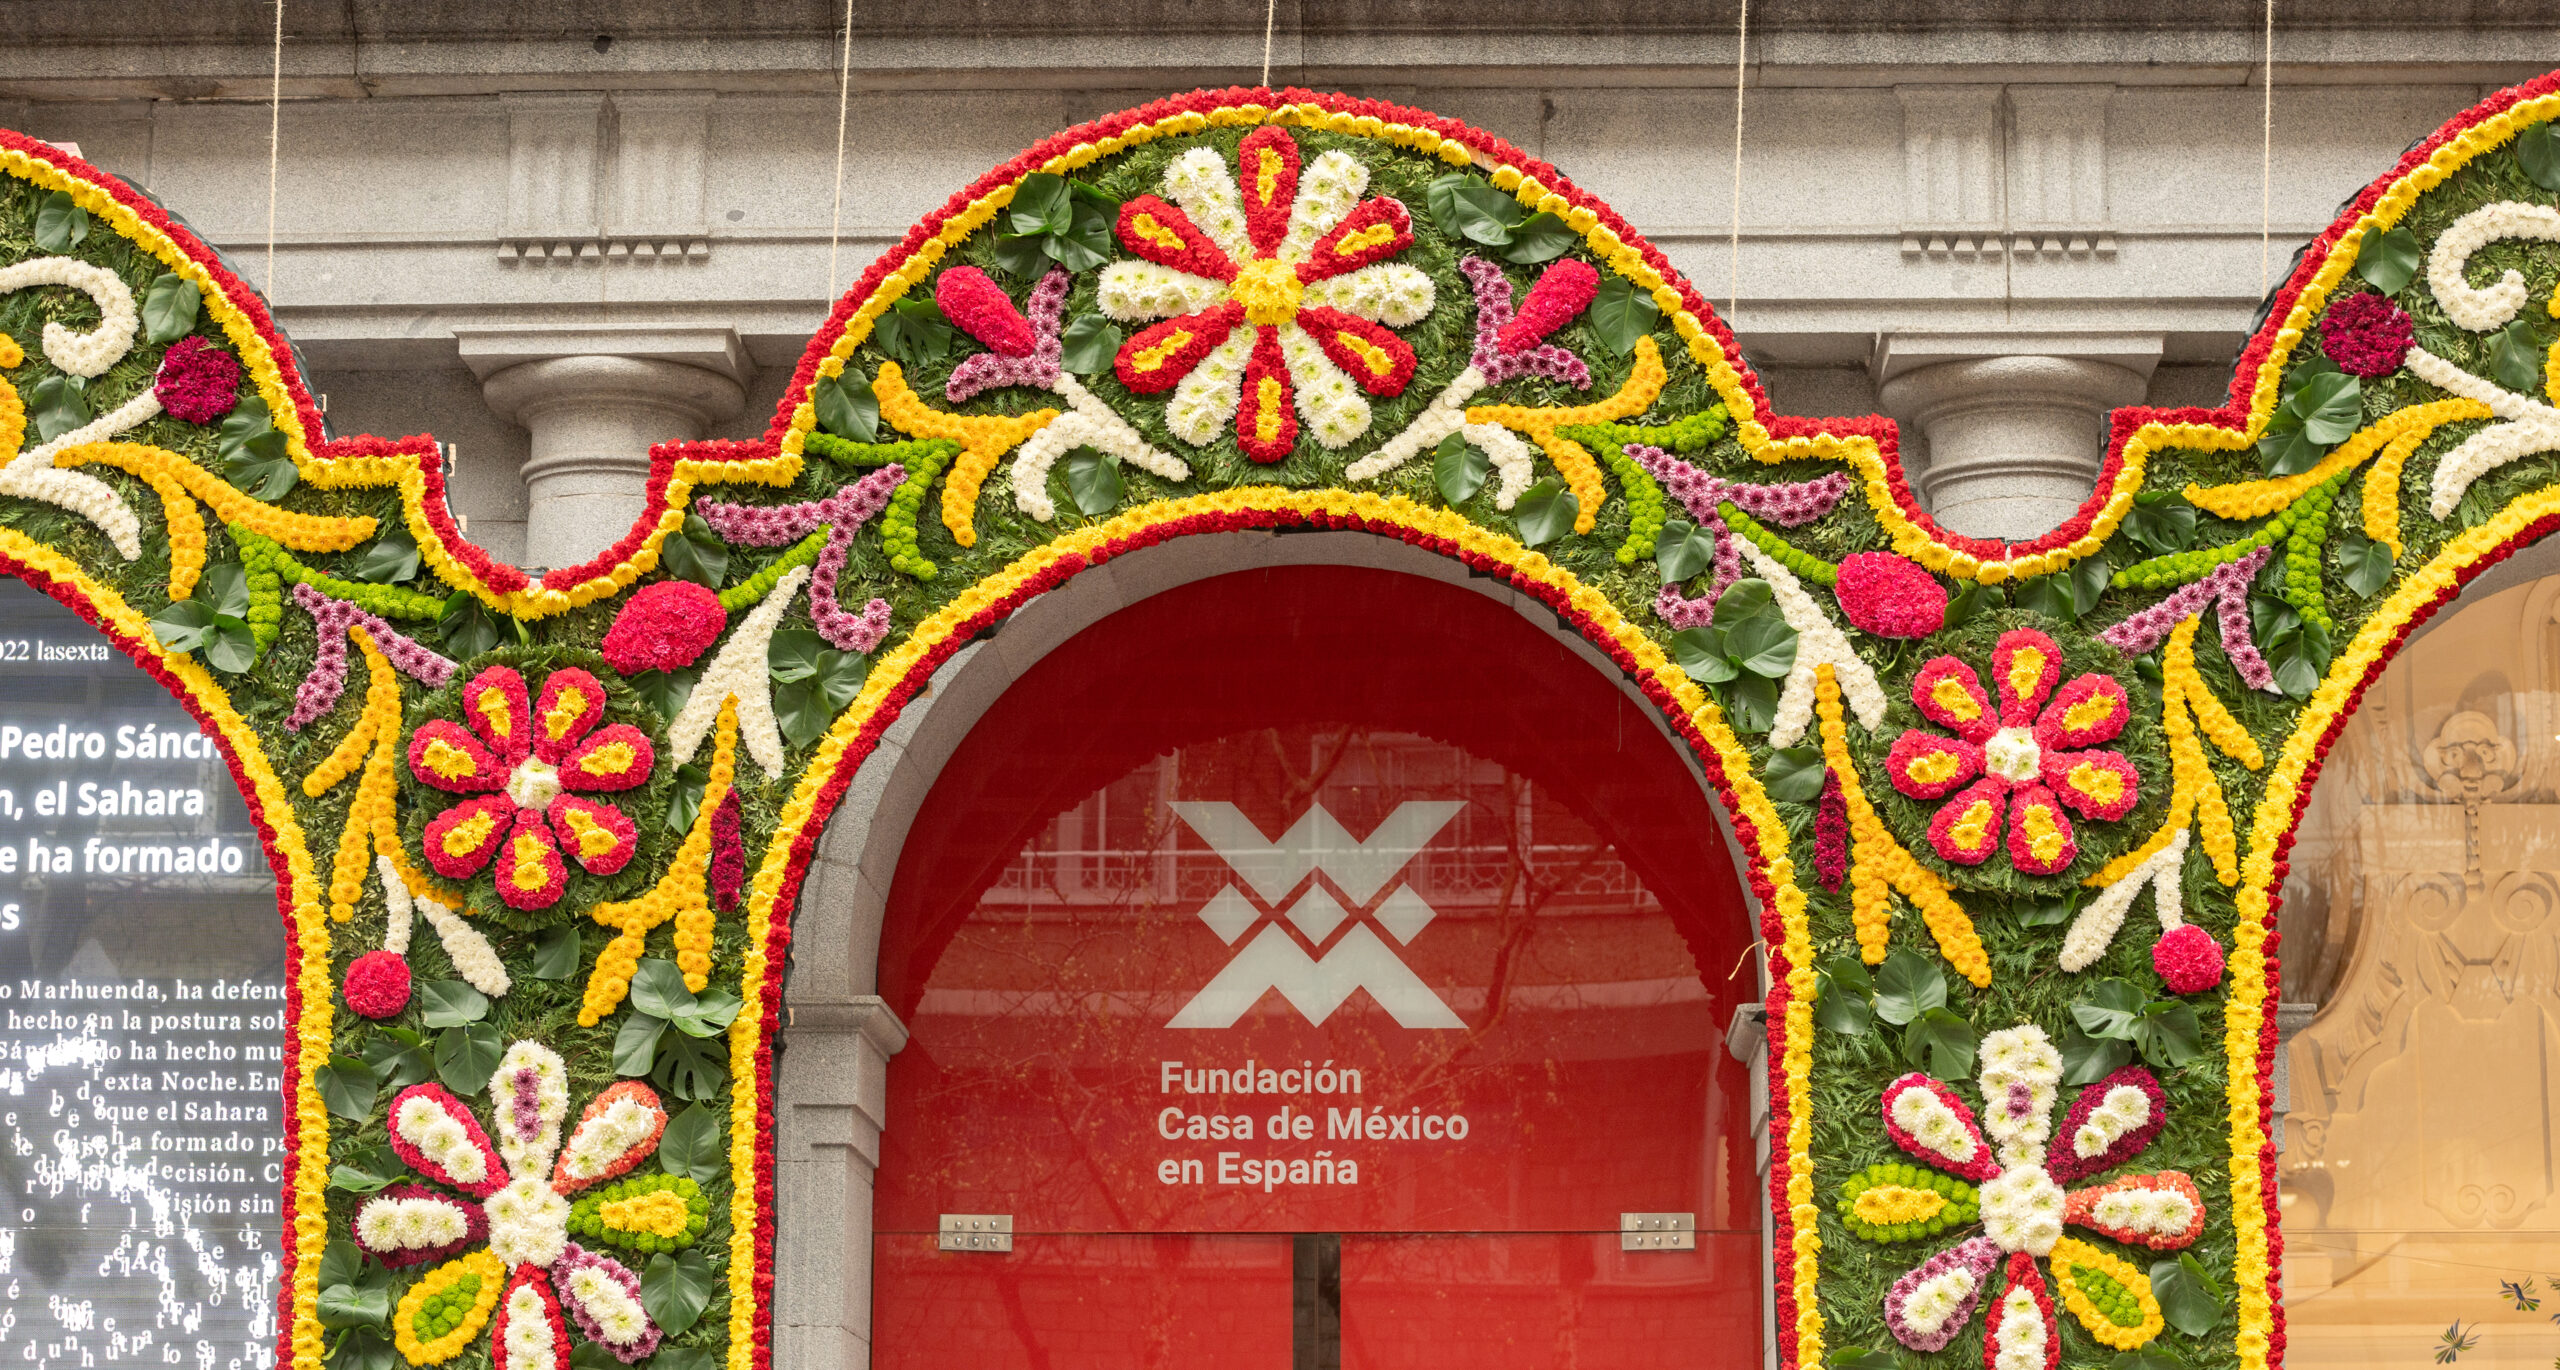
x,y
275,124
1270,15
1733,251
844,103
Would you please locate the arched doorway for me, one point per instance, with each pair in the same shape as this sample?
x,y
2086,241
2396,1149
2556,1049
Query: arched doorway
x,y
1313,964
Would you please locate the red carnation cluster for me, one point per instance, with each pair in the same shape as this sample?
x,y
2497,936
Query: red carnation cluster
x,y
1889,596
1831,834
198,381
981,309
1561,293
2188,959
378,984
728,853
665,627
2366,335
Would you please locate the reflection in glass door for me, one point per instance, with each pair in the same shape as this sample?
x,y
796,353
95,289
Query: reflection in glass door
x,y
1313,965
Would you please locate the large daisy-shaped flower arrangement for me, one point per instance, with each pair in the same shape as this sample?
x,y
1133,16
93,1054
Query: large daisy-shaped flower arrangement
x,y
2022,1205
2031,757
537,768
1273,295
517,1197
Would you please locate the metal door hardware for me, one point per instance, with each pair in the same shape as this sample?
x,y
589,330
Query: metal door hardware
x,y
976,1232
1654,1231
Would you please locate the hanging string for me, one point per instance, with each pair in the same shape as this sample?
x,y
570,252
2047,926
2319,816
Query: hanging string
x,y
2267,163
275,124
844,104
1733,251
1270,14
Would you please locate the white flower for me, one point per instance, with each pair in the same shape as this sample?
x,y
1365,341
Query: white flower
x,y
2022,1209
528,1222
2483,308
2020,1069
1512,461
386,1224
1203,400
473,958
527,1140
2095,929
742,672
1439,419
1327,400
1136,292
1936,1299
602,1139
2528,428
2012,755
1818,640
2022,1332
2124,1109
2150,1212
395,894
1391,292
1198,181
81,354
440,1138
1927,1118
1327,190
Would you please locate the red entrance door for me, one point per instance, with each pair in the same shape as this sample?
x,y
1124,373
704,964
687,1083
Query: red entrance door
x,y
1313,964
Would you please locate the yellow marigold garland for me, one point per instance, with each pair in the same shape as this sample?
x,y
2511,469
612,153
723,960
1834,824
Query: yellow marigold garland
x,y
2382,483
2195,796
302,532
983,439
682,894
1580,469
1877,861
371,813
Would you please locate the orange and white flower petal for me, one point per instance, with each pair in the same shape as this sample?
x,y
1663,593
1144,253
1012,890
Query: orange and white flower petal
x,y
1267,183
1327,189
617,757
2040,838
461,840
499,709
2090,710
1141,292
1378,229
1266,415
1925,765
1157,357
2096,784
1163,234
600,836
1207,398
1199,181
1949,694
2163,1211
1966,830
1391,293
444,754
1377,359
572,704
530,873
2025,666
617,1132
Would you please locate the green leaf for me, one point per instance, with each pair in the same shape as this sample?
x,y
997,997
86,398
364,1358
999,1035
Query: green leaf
x,y
556,954
363,1349
2538,152
1849,971
1542,239
635,1044
1700,652
695,1144
666,691
1795,774
1024,256
225,588
392,558
467,626
467,1056
2088,577
1620,314
714,1009
794,653
2152,1357
451,1003
1859,1358
261,466
1837,1008
349,1305
1086,242
1472,209
1941,1043
2050,596
803,711
2295,675
60,222
2049,913
1089,344
675,1289
847,408
246,420
183,626
232,647
658,989
2169,1034
691,1067
1681,551
355,1179
2086,1060
2516,358
341,1261
2331,407
2110,1010
2163,526
696,554
2189,1299
685,801
2368,564
1908,985
1968,601
169,308
1751,703
914,332
591,1355
1546,512
2390,261
1093,482
1041,204
399,1058
58,405
347,1086
1756,633
1459,468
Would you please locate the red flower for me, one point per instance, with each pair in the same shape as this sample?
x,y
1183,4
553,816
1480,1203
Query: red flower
x,y
1889,596
666,626
2188,959
981,309
197,381
535,771
2366,335
378,984
1562,291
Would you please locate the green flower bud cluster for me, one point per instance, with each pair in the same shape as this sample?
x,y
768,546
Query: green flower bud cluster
x,y
586,1217
2179,568
752,591
266,587
2111,1299
1647,510
1805,564
898,526
443,1310
853,453
2302,544
1962,1205
388,601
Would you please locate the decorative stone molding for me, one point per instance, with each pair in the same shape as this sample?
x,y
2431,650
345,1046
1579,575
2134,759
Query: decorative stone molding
x,y
833,1081
595,400
2013,424
591,180
1950,170
2057,165
2017,169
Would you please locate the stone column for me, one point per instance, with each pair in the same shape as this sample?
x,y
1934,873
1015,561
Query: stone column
x,y
2010,428
595,399
833,1088
1746,1039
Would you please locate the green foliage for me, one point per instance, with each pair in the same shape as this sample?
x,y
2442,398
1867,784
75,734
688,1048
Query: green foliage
x,y
1458,468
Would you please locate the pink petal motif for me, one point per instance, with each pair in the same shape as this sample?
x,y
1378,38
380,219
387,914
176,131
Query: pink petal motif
x,y
1966,829
1040,368
433,1134
1161,354
2040,838
330,618
444,754
1493,315
1267,181
474,1223
2025,666
1949,694
2114,1135
598,836
2157,1225
517,1346
1927,1307
1562,292
981,309
2096,784
617,757
2090,710
1925,1118
618,1287
1924,765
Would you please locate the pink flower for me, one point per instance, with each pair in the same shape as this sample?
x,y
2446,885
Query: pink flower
x,y
1500,358
1039,363
1562,291
2366,335
378,984
665,627
198,381
2188,959
981,309
1889,596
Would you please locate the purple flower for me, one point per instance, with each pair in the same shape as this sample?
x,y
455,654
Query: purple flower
x,y
2227,587
842,513
2367,335
1493,311
1041,369
319,691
